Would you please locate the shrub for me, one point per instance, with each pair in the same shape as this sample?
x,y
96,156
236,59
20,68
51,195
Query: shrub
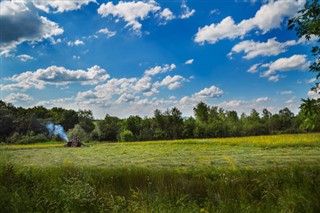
x,y
126,136
29,139
78,132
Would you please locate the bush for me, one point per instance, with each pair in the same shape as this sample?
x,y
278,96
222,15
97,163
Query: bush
x,y
126,136
95,134
78,132
29,139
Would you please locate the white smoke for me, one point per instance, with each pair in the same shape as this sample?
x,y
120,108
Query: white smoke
x,y
57,130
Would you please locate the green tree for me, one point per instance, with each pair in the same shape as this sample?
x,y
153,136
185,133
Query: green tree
x,y
86,120
78,132
126,136
175,123
252,124
201,112
307,24
310,113
189,126
134,124
110,128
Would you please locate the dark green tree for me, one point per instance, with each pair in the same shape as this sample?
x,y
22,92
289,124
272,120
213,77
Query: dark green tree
x,y
110,128
310,114
86,120
201,112
189,126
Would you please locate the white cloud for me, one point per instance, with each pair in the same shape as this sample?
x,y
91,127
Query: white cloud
x,y
21,23
190,61
130,12
60,6
295,62
172,83
262,99
158,69
313,94
107,32
312,80
25,57
232,103
212,92
274,78
269,16
286,92
56,76
188,102
75,43
290,101
127,98
18,97
253,68
143,84
167,15
253,49
186,12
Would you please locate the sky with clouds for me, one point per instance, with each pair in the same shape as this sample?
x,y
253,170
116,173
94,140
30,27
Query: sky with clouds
x,y
131,57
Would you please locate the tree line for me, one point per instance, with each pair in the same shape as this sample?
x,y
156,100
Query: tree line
x,y
20,125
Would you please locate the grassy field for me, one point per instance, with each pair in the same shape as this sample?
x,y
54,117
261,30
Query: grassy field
x,y
250,174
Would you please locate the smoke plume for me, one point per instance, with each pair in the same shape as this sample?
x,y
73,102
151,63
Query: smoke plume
x,y
57,130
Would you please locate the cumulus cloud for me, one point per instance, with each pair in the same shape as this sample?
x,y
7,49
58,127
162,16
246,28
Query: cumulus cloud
x,y
75,43
190,61
186,12
131,12
56,76
25,57
167,15
107,32
202,95
211,92
295,62
158,69
172,82
21,23
262,99
253,49
18,97
60,6
269,16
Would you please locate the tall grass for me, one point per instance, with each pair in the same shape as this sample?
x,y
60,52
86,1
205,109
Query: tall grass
x,y
71,189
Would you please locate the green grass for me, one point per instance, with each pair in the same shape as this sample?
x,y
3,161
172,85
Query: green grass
x,y
248,152
251,174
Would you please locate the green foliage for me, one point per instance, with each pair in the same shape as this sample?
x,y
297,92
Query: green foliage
x,y
72,189
110,128
209,122
126,136
310,114
78,132
307,24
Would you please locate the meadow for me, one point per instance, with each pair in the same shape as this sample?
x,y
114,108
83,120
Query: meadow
x,y
249,174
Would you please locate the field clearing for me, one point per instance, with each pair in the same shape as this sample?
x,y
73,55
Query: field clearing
x,y
247,152
250,174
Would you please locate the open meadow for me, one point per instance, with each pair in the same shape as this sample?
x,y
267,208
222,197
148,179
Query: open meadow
x,y
250,174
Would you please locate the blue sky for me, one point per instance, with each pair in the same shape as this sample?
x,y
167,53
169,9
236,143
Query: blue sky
x,y
131,57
